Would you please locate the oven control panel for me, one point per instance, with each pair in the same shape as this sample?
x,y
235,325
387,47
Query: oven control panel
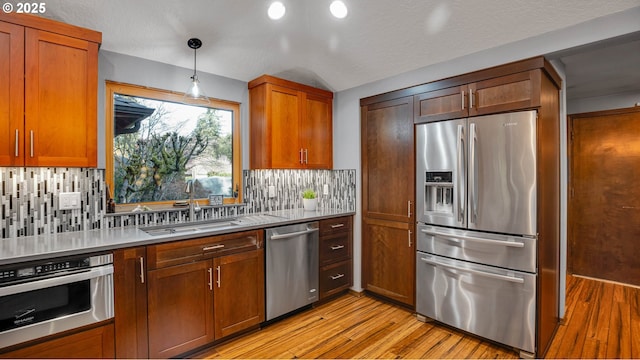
x,y
19,272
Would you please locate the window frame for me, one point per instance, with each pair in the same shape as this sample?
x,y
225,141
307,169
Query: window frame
x,y
113,87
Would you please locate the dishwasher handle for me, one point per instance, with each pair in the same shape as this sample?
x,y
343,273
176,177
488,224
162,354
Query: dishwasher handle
x,y
293,234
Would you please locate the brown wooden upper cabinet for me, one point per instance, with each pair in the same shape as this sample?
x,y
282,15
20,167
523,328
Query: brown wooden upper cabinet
x,y
50,97
504,93
291,125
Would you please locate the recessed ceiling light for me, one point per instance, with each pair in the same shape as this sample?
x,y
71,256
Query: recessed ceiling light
x,y
276,10
338,9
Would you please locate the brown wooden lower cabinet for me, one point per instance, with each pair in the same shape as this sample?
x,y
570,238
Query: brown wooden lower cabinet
x,y
174,297
388,253
130,290
88,344
239,292
180,308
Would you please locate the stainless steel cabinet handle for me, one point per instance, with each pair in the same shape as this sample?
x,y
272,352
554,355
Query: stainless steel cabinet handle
x,y
410,243
210,270
301,161
214,247
306,156
409,208
335,226
470,99
17,142
293,234
141,270
337,247
218,270
476,272
336,277
31,143
463,99
475,239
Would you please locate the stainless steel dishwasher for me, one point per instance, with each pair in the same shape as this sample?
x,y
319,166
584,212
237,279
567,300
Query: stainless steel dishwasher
x,y
292,268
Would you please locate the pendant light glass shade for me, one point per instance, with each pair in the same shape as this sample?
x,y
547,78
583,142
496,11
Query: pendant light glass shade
x,y
195,93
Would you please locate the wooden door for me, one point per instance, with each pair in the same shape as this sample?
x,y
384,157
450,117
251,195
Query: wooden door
x,y
11,95
130,303
284,119
388,257
180,309
388,160
61,83
239,292
317,133
604,195
449,103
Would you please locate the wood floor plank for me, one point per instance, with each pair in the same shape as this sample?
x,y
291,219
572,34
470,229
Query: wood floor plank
x,y
619,344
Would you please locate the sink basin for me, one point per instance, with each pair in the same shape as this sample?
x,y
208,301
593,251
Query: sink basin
x,y
194,227
189,227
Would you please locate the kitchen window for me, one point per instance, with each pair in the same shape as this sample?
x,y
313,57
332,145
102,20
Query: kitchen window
x,y
158,144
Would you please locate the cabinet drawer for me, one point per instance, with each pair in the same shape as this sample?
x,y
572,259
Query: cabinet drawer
x,y
335,225
334,248
180,252
335,278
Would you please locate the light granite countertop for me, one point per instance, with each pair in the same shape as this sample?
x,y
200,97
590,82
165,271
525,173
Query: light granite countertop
x,y
47,246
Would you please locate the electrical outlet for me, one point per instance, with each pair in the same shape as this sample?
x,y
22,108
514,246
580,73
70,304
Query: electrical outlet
x,y
272,191
69,201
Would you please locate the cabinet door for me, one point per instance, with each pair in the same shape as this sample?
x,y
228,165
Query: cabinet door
x,y
180,308
284,117
450,103
317,133
60,100
388,165
505,93
239,292
130,292
94,343
388,264
11,94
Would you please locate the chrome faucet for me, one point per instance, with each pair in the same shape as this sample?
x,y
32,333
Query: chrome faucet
x,y
190,189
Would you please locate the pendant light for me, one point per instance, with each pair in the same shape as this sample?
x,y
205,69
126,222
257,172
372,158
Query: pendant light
x,y
195,92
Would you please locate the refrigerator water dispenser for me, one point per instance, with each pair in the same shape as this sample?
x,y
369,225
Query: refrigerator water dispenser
x,y
438,192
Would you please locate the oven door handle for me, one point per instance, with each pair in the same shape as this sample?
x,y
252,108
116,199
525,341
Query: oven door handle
x,y
56,281
476,272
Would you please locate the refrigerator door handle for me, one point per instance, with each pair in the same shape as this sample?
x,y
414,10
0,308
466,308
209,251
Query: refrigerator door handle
x,y
479,240
476,272
473,173
461,175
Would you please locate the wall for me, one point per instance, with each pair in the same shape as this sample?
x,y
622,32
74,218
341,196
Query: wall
x,y
347,107
617,101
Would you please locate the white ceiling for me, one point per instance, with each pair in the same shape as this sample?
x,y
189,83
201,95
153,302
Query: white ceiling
x,y
378,39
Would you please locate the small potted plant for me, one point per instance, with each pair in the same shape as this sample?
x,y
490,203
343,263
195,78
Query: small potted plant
x,y
309,201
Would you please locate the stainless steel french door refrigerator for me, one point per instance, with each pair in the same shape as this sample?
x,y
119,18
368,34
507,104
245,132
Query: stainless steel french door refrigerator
x,y
476,213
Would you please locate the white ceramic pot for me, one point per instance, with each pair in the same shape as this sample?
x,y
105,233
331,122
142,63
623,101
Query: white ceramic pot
x,y
309,204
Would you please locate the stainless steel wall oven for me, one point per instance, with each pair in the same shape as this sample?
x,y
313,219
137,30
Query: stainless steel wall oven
x,y
46,297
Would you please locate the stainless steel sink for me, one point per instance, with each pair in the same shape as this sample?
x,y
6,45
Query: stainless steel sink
x,y
194,227
189,227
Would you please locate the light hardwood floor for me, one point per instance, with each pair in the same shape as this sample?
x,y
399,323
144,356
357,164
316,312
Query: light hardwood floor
x,y
602,321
